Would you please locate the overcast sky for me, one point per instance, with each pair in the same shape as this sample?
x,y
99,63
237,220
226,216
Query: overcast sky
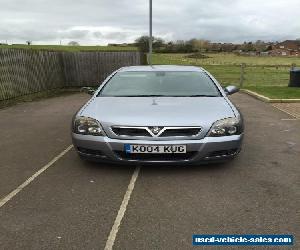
x,y
99,22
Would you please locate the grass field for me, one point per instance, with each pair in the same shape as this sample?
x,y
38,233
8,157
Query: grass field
x,y
265,75
70,48
225,59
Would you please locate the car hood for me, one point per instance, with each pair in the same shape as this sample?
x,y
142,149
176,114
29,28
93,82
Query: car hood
x,y
158,111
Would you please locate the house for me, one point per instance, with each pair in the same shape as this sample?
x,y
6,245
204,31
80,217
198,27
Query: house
x,y
286,48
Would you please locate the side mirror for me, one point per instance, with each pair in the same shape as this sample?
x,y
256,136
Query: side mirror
x,y
229,90
88,90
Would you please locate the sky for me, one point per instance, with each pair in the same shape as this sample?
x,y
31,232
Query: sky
x,y
99,22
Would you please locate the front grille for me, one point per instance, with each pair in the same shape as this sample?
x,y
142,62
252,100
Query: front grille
x,y
124,131
155,131
155,157
180,132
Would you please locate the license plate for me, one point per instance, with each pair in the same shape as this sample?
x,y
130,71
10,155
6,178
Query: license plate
x,y
155,149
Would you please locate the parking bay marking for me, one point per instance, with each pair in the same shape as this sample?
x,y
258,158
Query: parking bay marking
x,y
115,228
13,193
285,111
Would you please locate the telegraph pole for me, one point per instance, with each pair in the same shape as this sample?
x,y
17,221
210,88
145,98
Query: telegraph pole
x,y
150,33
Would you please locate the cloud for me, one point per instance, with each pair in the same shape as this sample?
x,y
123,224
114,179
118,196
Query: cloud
x,y
104,21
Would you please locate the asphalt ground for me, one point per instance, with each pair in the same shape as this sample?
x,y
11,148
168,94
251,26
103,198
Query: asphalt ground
x,y
75,204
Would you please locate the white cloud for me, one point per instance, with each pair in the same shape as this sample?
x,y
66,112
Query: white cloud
x,y
111,21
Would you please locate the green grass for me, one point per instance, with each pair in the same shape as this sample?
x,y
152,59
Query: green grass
x,y
265,75
224,59
259,71
70,48
276,92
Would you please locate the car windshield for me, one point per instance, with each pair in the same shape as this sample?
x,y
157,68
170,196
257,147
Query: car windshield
x,y
162,83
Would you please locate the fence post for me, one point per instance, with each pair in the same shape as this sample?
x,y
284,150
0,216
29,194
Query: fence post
x,y
293,66
242,78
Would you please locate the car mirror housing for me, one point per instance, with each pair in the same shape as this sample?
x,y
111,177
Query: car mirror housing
x,y
229,90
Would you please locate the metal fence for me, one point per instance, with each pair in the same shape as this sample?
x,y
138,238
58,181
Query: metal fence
x,y
24,72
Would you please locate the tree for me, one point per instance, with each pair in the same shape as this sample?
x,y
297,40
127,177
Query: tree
x,y
248,46
269,47
260,45
143,43
200,45
74,43
29,42
158,43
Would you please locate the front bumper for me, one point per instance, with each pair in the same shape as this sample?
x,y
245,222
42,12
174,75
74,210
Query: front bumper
x,y
203,150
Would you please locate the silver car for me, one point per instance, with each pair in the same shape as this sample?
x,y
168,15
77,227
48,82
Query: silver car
x,y
159,114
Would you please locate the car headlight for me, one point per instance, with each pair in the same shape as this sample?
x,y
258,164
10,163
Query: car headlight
x,y
226,127
87,126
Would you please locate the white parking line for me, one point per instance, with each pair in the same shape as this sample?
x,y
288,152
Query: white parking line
x,y
285,111
115,228
30,179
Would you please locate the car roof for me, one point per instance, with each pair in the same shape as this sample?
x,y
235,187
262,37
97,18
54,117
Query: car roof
x,y
161,68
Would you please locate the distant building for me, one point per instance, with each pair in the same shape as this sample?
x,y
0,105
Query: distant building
x,y
286,48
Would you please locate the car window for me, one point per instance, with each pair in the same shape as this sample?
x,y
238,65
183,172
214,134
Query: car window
x,y
162,83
